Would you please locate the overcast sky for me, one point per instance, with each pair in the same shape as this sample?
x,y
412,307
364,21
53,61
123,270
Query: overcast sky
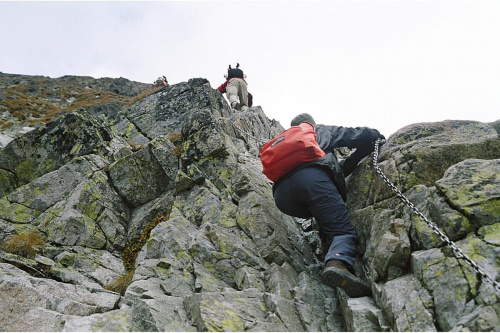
x,y
381,64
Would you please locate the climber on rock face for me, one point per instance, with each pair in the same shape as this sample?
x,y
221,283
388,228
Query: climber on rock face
x,y
161,81
235,88
317,189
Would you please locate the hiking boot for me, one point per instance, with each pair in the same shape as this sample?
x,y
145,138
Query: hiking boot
x,y
237,106
337,275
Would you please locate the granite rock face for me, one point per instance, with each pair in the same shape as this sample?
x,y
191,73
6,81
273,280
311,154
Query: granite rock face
x,y
167,194
450,172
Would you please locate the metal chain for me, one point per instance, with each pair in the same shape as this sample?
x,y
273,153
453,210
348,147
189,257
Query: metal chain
x,y
260,141
457,251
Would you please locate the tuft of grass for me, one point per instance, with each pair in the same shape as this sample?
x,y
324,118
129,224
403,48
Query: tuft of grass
x,y
144,94
4,125
176,139
27,244
121,283
135,147
176,136
177,150
130,253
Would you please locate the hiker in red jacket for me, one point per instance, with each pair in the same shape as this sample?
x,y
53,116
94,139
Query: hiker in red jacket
x,y
235,88
317,189
161,81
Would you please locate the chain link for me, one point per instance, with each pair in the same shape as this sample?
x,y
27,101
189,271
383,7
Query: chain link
x,y
456,251
260,141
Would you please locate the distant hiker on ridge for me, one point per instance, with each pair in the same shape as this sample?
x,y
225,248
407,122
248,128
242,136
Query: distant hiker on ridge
x,y
235,88
161,81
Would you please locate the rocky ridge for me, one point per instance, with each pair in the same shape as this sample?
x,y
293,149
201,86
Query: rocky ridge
x,y
27,101
164,197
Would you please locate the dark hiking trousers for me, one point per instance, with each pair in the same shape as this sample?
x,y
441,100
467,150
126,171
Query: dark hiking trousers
x,y
310,192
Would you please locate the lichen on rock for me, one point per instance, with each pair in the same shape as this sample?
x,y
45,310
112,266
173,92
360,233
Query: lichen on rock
x,y
167,190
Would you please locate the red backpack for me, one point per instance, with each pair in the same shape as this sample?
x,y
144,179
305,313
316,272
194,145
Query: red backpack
x,y
287,151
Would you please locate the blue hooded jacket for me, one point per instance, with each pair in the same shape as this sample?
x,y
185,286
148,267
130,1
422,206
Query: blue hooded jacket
x,y
330,137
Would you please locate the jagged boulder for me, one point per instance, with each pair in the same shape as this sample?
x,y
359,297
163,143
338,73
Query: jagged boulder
x,y
165,198
4,140
36,304
50,147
